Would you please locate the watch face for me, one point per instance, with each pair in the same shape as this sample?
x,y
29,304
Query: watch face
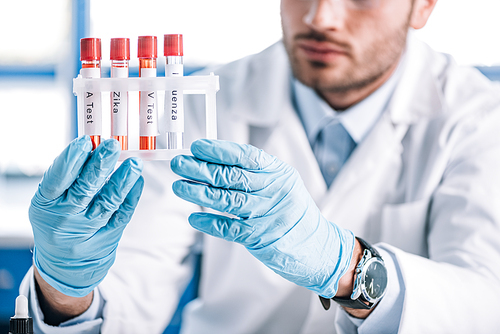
x,y
374,280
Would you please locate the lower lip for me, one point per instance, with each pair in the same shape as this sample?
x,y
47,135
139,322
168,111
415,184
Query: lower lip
x,y
321,55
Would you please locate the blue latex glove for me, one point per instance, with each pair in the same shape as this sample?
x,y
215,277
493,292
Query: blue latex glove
x,y
78,217
278,222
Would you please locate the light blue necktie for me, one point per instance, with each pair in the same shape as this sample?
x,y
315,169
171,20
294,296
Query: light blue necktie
x,y
332,148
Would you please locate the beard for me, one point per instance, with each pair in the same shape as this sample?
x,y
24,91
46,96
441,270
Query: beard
x,y
357,70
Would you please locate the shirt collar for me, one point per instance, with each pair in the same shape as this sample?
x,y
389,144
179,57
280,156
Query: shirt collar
x,y
358,120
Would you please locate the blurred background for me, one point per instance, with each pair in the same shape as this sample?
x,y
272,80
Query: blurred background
x,y
39,57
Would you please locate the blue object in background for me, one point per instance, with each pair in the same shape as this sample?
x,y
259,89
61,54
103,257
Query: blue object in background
x,y
14,263
491,72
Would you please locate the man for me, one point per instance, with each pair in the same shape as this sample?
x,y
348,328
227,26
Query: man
x,y
414,135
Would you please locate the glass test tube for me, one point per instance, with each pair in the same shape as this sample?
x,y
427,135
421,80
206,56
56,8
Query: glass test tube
x,y
148,115
90,55
174,106
120,56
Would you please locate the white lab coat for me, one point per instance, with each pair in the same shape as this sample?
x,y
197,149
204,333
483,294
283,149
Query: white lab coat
x,y
424,184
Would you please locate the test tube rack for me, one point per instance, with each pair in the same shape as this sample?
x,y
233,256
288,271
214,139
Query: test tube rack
x,y
203,84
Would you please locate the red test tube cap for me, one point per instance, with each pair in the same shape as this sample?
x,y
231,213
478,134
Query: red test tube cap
x,y
146,47
172,45
120,49
90,49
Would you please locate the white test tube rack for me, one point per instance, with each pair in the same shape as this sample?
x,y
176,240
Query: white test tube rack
x,y
205,84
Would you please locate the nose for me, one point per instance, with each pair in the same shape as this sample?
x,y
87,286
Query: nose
x,y
326,15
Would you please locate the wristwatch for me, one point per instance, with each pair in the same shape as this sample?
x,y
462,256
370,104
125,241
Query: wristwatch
x,y
370,282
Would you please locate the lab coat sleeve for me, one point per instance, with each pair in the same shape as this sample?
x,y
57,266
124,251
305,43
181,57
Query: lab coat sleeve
x,y
457,288
88,322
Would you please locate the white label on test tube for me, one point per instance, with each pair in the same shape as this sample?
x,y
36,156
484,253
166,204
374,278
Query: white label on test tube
x,y
92,105
119,105
148,126
174,101
174,107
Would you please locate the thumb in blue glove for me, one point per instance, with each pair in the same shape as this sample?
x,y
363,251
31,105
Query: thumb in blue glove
x,y
277,220
78,215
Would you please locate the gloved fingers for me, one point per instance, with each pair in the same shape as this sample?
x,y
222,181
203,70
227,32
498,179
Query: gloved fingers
x,y
65,168
232,154
114,192
230,229
220,176
126,210
78,275
241,204
111,233
95,172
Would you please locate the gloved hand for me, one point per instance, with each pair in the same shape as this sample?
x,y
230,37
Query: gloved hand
x,y
78,217
278,222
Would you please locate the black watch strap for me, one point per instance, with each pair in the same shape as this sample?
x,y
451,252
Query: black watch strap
x,y
366,245
345,302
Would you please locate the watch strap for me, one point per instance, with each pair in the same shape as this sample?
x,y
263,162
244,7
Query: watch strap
x,y
366,245
352,303
346,302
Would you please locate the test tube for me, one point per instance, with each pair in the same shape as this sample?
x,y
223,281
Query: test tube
x,y
90,55
120,56
148,116
174,106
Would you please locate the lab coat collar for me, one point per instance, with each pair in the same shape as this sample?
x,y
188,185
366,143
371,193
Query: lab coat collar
x,y
417,89
358,119
366,178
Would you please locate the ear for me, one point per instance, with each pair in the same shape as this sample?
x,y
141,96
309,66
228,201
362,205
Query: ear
x,y
422,9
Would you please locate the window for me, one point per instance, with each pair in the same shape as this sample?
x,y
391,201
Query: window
x,y
467,30
34,84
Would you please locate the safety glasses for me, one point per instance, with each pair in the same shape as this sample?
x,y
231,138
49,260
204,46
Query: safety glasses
x,y
351,4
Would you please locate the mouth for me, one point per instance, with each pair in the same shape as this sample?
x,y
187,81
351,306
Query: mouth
x,y
319,51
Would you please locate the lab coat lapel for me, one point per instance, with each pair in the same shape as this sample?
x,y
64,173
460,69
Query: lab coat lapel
x,y
367,176
410,102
